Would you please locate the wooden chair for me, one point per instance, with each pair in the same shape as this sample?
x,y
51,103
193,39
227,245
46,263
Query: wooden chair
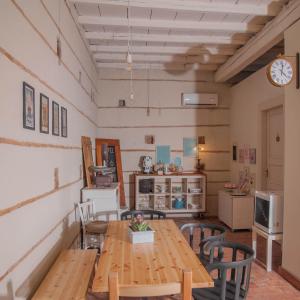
x,y
207,233
232,281
114,291
152,214
93,229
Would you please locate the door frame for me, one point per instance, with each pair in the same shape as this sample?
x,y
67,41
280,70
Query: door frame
x,y
261,158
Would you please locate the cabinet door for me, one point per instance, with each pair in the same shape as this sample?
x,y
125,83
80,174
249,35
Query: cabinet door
x,y
243,212
225,209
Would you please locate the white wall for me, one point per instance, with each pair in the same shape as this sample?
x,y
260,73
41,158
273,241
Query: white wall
x,y
168,121
249,99
34,216
291,241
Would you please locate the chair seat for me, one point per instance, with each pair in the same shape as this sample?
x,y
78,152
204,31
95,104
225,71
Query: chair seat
x,y
96,227
215,292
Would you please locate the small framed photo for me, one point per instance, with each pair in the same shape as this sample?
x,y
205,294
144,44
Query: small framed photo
x,y
28,107
44,113
234,152
64,122
55,118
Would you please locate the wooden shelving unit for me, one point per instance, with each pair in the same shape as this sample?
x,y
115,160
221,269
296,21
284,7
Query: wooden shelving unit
x,y
174,193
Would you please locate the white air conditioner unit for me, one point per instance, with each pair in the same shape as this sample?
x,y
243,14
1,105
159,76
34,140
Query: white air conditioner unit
x,y
199,99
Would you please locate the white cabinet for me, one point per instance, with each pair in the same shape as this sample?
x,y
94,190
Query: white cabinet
x,y
236,211
105,199
182,193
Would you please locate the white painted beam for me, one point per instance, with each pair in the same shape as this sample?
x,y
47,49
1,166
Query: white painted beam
x,y
171,66
238,27
207,49
203,59
194,5
261,43
187,39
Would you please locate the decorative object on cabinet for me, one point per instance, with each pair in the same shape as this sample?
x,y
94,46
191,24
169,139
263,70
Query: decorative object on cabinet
x,y
235,210
108,153
28,107
122,103
64,122
87,160
55,118
174,193
147,164
44,113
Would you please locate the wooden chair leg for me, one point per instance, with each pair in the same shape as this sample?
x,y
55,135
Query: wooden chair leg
x,y
113,286
187,285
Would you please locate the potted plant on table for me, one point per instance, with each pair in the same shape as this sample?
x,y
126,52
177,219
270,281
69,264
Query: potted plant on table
x,y
139,231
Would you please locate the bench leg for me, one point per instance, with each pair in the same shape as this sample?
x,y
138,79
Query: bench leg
x,y
113,286
187,285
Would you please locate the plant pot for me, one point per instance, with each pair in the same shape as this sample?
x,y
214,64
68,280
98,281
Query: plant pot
x,y
140,237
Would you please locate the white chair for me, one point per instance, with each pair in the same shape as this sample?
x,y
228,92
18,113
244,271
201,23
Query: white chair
x,y
93,228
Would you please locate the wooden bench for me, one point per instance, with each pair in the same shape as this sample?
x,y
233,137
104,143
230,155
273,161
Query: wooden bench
x,y
69,276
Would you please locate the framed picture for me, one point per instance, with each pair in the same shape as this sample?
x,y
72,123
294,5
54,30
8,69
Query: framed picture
x,y
234,152
252,156
28,107
44,113
64,122
55,118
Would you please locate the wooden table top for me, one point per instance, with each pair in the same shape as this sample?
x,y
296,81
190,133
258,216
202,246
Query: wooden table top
x,y
69,276
149,269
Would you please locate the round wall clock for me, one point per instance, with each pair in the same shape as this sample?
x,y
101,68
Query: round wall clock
x,y
280,72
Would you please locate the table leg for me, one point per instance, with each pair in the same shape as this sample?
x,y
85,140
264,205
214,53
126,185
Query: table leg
x,y
254,241
269,254
187,285
113,286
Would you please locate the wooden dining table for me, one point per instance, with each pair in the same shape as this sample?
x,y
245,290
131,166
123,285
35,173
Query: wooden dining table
x,y
165,267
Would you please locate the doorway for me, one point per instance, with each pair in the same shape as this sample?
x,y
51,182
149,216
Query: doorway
x,y
273,149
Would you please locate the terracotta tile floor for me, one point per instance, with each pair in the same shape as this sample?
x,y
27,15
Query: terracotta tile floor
x,y
263,285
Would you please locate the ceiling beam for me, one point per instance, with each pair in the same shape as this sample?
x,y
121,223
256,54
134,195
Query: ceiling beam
x,y
192,5
187,39
137,66
239,27
271,35
212,50
203,59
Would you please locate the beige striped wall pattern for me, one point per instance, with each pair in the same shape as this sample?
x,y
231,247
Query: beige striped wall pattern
x,y
35,215
168,121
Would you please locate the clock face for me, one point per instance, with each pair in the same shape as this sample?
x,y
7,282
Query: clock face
x,y
280,72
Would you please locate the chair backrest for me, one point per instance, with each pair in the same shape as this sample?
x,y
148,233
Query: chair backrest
x,y
86,211
238,265
208,233
152,214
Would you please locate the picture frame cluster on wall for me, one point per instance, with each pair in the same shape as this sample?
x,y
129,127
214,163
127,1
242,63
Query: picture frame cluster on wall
x,y
59,125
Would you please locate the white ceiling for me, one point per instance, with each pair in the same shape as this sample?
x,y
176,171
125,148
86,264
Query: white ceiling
x,y
171,34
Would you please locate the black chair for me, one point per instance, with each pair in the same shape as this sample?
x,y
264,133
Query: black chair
x,y
233,276
152,214
208,233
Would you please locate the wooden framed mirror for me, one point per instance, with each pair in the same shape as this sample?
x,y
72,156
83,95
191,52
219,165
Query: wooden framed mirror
x,y
108,151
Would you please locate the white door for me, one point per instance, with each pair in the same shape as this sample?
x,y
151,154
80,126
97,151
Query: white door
x,y
274,155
